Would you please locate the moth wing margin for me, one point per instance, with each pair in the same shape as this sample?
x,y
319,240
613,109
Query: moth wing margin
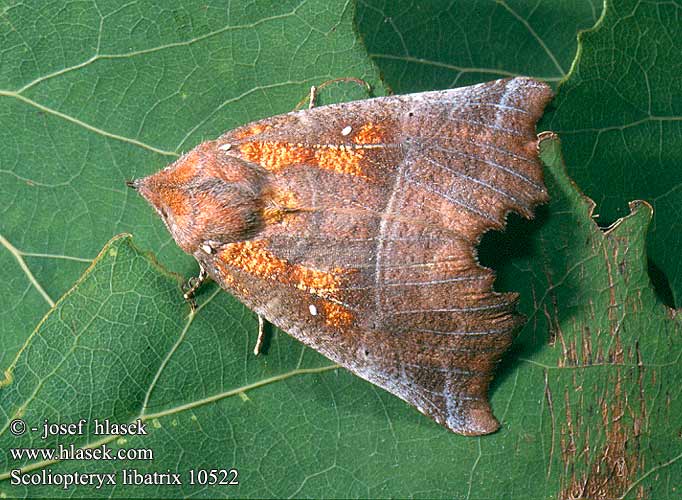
x,y
451,395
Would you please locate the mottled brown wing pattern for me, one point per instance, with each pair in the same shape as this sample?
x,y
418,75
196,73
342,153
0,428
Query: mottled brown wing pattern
x,y
363,246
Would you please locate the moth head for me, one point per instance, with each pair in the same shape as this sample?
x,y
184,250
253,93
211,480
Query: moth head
x,y
204,196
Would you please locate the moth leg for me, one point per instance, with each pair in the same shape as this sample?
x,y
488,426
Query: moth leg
x,y
194,283
311,99
261,334
314,90
545,136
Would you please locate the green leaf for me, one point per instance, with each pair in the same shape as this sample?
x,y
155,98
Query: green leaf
x,y
619,114
426,45
591,408
93,94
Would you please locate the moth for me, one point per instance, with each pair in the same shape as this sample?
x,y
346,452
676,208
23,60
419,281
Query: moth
x,y
353,227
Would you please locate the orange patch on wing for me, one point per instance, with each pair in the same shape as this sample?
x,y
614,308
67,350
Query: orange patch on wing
x,y
254,258
369,133
336,315
342,160
275,155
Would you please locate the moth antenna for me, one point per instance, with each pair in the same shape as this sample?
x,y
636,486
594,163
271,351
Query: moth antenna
x,y
350,79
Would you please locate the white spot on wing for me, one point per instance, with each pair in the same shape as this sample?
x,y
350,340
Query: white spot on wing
x,y
312,309
225,147
346,130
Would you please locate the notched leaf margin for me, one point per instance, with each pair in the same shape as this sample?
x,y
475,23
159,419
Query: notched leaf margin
x,y
615,468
